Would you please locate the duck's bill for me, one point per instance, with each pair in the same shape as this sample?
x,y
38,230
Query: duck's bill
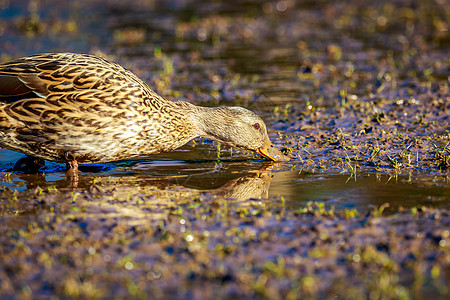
x,y
273,153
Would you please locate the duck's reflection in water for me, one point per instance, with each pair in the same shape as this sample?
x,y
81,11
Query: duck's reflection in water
x,y
252,186
229,183
137,197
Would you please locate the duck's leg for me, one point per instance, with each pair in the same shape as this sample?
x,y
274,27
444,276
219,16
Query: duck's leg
x,y
28,165
72,170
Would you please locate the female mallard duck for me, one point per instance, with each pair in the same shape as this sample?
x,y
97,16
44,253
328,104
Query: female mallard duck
x,y
76,108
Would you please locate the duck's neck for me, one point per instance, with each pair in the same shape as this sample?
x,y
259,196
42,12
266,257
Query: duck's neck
x,y
210,122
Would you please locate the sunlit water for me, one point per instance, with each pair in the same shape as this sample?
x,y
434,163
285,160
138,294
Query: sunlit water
x,y
240,176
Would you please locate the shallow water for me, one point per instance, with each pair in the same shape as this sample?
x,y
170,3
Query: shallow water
x,y
244,177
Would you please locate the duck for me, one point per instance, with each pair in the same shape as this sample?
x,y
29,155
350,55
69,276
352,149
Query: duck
x,y
83,109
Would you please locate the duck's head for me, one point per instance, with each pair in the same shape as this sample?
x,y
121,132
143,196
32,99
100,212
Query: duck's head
x,y
240,127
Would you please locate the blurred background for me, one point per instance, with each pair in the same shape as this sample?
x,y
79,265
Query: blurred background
x,y
282,51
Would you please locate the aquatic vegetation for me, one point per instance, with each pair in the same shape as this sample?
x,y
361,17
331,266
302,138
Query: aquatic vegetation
x,y
221,241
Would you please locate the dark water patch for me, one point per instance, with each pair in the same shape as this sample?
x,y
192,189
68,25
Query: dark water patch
x,y
362,193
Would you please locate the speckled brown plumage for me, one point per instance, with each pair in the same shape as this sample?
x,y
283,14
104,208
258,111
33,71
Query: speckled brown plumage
x,y
69,107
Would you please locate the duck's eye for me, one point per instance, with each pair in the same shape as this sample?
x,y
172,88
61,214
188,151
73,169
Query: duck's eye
x,y
257,126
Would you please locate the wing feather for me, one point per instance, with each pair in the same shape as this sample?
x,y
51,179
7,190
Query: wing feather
x,y
51,73
12,86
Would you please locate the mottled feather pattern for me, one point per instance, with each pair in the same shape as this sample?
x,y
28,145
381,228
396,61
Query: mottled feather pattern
x,y
88,109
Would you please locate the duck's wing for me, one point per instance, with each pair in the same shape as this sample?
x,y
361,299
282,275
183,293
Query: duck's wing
x,y
66,92
62,73
69,87
19,79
